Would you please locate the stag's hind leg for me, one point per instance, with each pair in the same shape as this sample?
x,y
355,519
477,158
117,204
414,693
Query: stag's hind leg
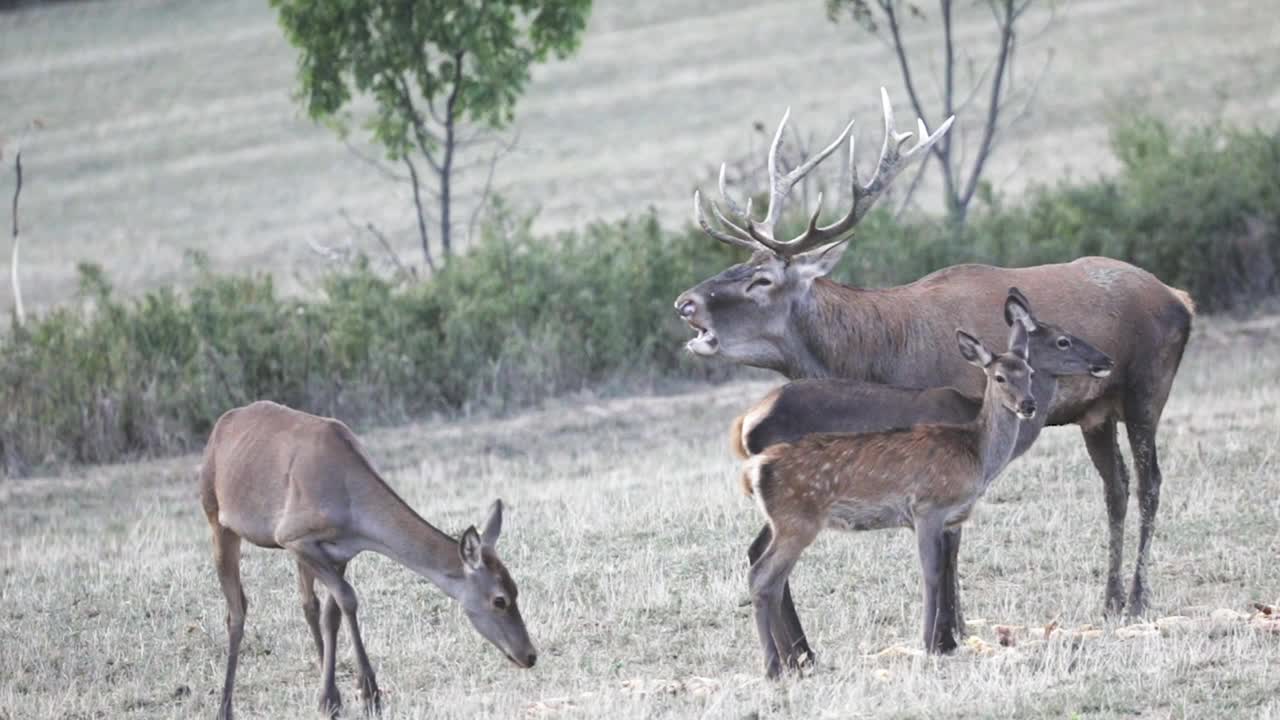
x,y
789,615
226,558
1104,451
1141,418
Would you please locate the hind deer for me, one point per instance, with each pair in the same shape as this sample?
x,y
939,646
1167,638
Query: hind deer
x,y
802,407
281,478
927,478
778,311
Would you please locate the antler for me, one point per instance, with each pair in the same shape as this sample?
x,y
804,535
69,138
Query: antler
x,y
755,235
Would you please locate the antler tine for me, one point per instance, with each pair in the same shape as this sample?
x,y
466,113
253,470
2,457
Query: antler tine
x,y
734,207
780,187
724,237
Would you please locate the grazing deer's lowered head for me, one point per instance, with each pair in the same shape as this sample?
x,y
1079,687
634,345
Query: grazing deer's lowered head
x,y
488,594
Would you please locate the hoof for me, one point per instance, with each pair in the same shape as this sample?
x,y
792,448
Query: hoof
x,y
330,704
372,697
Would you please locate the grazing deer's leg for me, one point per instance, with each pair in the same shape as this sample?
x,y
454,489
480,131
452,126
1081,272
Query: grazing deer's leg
x,y
788,606
767,577
342,597
1105,453
311,607
226,557
949,600
939,635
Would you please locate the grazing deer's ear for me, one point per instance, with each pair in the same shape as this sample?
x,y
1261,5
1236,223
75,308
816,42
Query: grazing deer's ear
x,y
1018,309
1019,341
820,262
493,526
972,350
469,549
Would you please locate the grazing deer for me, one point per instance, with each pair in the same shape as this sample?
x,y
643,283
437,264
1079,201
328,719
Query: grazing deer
x,y
802,407
281,478
927,478
778,311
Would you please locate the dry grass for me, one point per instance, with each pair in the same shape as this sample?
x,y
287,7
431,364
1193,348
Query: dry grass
x,y
169,125
628,537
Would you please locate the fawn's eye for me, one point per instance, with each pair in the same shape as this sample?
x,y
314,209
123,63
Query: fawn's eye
x,y
1064,343
1000,379
500,603
759,281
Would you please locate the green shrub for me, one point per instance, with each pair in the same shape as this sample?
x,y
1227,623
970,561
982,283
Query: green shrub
x,y
520,318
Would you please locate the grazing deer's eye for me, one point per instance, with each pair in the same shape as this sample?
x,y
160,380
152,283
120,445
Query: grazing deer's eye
x,y
759,281
1064,343
500,603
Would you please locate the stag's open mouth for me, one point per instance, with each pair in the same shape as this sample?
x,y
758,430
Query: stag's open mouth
x,y
705,343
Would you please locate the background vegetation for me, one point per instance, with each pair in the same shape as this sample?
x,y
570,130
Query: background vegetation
x,y
521,317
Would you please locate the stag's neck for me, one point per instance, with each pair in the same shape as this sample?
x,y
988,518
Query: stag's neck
x,y
998,434
1043,387
404,536
848,333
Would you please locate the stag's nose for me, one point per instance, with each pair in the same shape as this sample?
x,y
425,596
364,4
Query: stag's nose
x,y
686,306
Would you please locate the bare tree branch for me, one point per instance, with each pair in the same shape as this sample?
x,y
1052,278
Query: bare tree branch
x,y
993,110
488,183
402,268
19,312
376,164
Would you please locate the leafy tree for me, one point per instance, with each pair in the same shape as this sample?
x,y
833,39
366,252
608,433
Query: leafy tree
x,y
433,68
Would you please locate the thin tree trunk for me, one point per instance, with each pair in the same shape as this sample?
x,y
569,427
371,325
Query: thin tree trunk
x,y
446,164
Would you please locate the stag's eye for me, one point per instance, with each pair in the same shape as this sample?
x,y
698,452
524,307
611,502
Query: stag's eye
x,y
1064,343
759,281
500,603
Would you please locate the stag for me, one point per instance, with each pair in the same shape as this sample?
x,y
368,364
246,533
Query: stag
x,y
779,311
927,478
281,478
803,407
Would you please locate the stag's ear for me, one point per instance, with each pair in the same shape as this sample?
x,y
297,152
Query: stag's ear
x,y
972,350
469,549
1018,309
1019,340
493,526
820,261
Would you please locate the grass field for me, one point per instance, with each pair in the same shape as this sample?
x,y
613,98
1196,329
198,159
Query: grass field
x,y
627,534
169,124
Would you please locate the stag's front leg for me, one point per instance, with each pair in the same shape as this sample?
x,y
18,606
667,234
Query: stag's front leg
x,y
939,635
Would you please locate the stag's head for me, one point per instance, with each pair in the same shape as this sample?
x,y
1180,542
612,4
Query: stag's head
x,y
743,313
1055,351
489,594
1008,374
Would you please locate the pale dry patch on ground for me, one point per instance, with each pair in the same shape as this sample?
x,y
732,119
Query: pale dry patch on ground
x,y
628,535
169,125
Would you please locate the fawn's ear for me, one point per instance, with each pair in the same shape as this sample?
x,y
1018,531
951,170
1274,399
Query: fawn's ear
x,y
972,350
469,549
493,526
1018,309
1019,339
